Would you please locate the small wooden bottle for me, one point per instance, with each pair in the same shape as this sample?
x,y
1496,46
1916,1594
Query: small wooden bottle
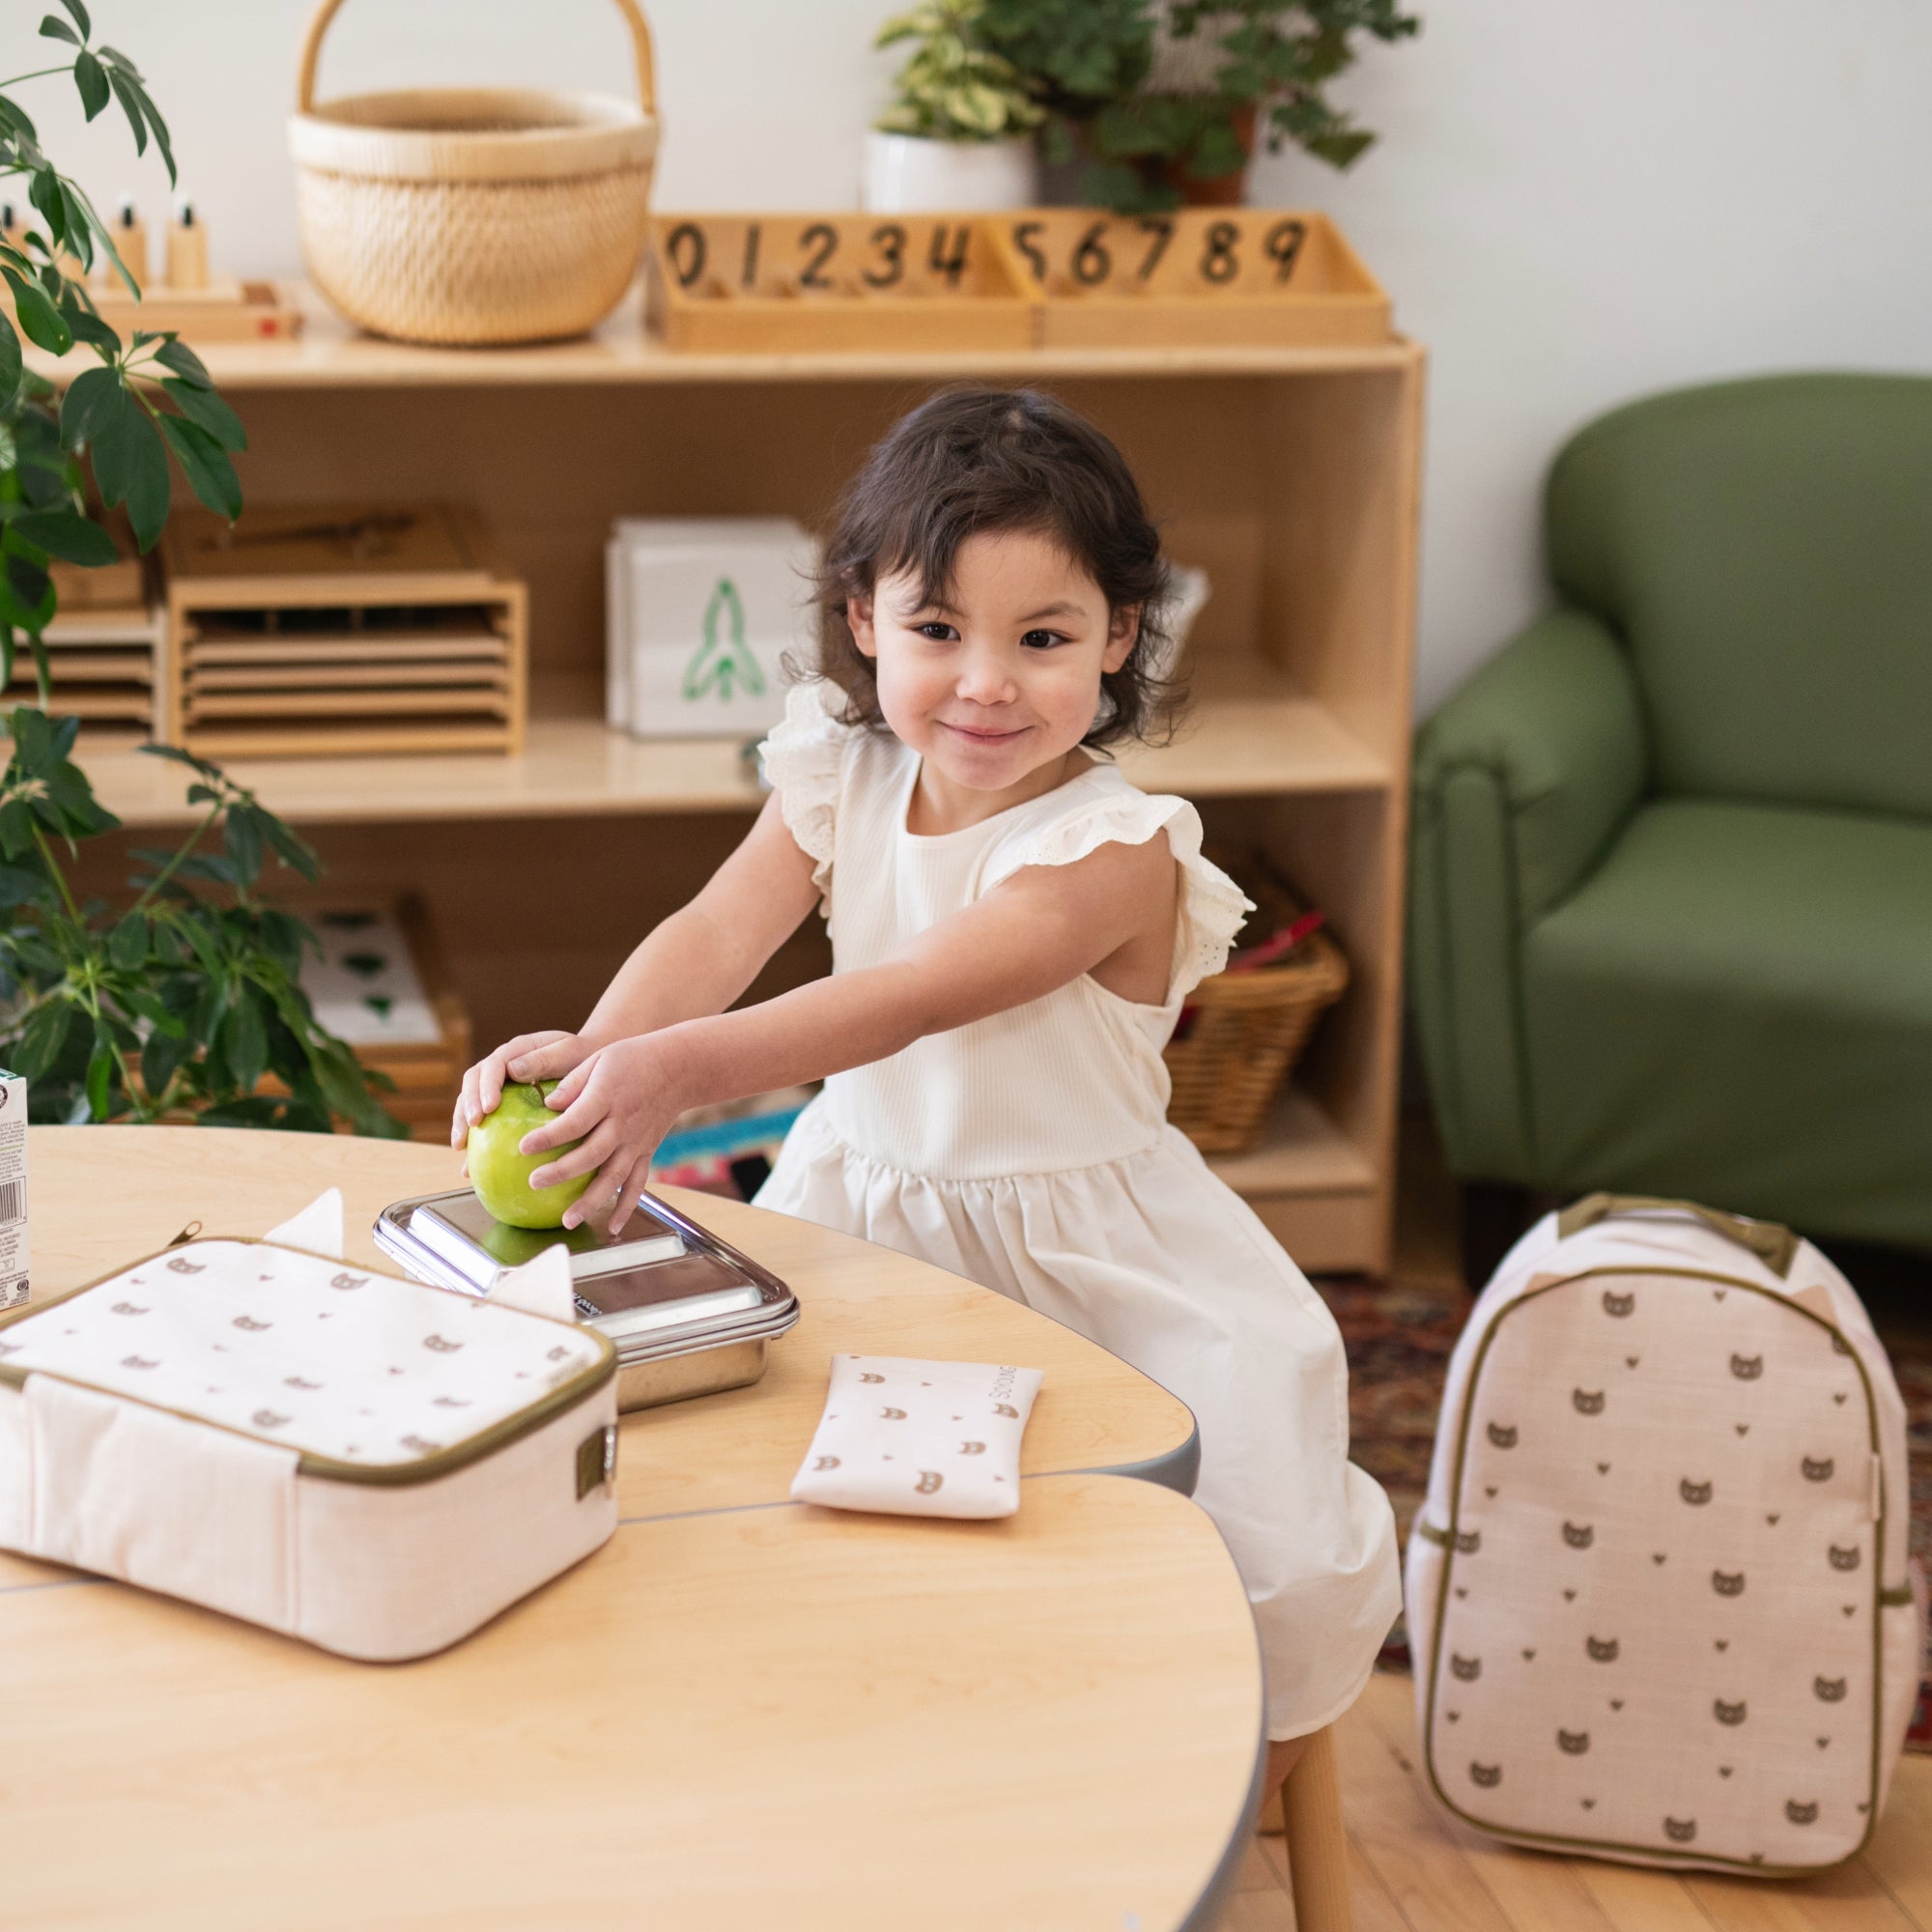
x,y
131,240
187,248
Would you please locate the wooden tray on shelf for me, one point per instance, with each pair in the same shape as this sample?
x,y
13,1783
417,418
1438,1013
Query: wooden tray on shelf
x,y
752,284
311,631
1199,277
104,650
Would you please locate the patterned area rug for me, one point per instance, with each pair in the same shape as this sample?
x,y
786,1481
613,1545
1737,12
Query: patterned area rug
x,y
1398,1340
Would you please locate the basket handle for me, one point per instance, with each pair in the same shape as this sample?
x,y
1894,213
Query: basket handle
x,y
318,26
1776,1247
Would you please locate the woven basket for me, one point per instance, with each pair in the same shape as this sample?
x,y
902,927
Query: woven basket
x,y
474,216
1245,1031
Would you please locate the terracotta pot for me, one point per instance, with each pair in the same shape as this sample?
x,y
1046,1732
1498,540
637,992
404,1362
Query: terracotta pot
x,y
1228,190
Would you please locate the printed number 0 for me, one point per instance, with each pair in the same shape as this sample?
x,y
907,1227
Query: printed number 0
x,y
684,247
1218,263
1091,261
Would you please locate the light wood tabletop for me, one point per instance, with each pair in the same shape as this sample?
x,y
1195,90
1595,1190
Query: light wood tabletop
x,y
746,1719
103,1197
740,1712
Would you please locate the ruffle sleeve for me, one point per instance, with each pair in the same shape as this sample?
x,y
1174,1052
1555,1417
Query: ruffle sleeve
x,y
1213,907
804,759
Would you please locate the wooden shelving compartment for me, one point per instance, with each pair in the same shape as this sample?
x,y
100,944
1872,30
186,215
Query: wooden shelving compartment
x,y
324,630
103,652
1289,473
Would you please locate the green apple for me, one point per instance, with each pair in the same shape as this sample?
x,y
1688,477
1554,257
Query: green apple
x,y
501,1176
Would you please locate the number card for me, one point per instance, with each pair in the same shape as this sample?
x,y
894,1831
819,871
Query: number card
x,y
744,284
1208,277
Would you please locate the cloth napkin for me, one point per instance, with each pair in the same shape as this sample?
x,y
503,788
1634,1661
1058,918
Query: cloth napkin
x,y
908,1438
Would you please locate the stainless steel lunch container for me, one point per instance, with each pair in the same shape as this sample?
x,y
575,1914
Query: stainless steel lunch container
x,y
681,1345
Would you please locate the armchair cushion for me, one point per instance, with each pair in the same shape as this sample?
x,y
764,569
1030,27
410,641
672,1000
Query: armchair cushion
x,y
1736,1005
1765,549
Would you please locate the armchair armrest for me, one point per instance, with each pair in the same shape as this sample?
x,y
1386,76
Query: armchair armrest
x,y
1522,779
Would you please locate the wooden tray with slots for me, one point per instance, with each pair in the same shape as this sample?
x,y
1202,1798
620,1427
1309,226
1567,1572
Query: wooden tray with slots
x,y
319,629
103,652
755,284
1208,277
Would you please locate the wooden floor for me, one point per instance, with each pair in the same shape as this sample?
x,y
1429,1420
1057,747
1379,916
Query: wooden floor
x,y
1415,1870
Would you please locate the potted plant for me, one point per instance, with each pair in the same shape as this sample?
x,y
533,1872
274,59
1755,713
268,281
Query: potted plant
x,y
176,1004
959,135
1166,99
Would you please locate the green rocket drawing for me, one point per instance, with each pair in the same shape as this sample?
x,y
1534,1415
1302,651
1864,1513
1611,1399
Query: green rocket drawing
x,y
727,665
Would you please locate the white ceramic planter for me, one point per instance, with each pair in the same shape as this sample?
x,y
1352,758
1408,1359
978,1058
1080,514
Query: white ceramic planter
x,y
907,174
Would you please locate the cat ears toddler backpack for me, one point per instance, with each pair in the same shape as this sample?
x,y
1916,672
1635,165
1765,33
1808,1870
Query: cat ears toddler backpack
x,y
1658,1598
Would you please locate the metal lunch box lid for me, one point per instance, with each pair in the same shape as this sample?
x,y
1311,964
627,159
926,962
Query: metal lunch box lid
x,y
708,1297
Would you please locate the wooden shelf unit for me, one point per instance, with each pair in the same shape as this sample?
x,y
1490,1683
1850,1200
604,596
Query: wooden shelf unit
x,y
1292,475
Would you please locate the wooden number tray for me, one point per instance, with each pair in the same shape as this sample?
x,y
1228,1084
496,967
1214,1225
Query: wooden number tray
x,y
746,284
323,630
1220,277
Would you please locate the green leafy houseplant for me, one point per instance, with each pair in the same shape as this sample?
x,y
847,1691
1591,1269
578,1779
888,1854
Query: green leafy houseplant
x,y
953,86
179,1004
1091,62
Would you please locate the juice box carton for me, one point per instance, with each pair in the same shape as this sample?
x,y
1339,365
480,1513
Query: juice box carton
x,y
13,1189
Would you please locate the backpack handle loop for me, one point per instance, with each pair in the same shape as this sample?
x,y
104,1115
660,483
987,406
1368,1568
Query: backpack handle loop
x,y
1775,1246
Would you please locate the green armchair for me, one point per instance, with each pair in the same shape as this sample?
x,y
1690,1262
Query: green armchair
x,y
1670,906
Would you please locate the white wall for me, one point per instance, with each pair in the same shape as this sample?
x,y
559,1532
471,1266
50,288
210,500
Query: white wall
x,y
1575,202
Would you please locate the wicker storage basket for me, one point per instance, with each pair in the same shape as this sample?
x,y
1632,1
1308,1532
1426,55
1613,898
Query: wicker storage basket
x,y
474,216
1243,1032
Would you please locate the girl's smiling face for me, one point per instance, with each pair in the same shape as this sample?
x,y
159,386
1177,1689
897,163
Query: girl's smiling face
x,y
995,683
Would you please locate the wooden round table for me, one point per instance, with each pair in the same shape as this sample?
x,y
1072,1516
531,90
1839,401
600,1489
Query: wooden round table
x,y
740,1712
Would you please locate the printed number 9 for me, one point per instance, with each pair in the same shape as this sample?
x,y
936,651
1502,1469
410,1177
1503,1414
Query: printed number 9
x,y
1218,263
1283,245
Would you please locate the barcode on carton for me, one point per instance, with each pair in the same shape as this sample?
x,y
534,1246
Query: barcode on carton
x,y
12,1200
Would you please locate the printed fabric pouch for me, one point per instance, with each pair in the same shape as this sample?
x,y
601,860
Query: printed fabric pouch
x,y
907,1437
372,1464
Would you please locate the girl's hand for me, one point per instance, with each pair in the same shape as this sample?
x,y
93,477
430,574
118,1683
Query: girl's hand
x,y
530,1056
619,1102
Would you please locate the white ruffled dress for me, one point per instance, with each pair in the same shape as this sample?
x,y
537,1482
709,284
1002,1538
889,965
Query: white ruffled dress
x,y
1032,1153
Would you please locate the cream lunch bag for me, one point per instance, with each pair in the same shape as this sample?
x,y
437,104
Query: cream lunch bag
x,y
1657,1597
373,1465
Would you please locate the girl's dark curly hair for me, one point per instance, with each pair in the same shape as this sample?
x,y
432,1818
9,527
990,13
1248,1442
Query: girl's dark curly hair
x,y
972,461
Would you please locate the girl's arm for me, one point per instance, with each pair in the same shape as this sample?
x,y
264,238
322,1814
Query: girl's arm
x,y
1034,932
695,962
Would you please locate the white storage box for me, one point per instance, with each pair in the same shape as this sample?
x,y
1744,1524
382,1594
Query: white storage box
x,y
700,614
372,1464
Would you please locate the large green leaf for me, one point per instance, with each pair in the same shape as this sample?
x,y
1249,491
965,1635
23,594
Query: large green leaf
x,y
90,401
131,105
68,536
176,355
38,315
132,466
10,364
205,465
41,1038
92,82
202,406
245,1040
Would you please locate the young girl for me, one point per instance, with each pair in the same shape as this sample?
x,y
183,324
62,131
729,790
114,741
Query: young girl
x,y
1015,927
